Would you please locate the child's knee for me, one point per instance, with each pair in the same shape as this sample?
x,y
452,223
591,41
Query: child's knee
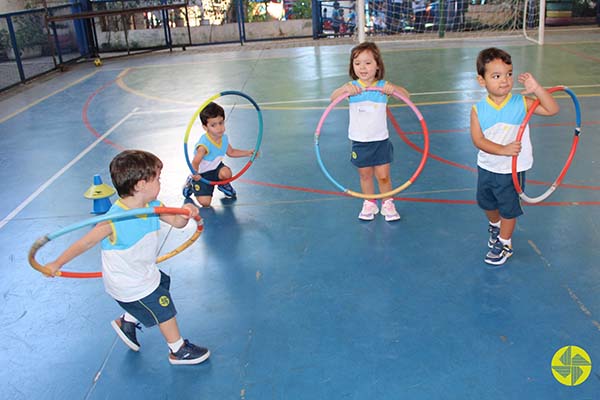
x,y
205,201
224,173
383,179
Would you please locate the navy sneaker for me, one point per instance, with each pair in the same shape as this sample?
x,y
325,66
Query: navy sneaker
x,y
189,354
498,254
187,188
494,233
227,189
126,331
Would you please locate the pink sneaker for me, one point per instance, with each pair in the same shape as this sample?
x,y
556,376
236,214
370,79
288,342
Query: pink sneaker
x,y
388,210
369,210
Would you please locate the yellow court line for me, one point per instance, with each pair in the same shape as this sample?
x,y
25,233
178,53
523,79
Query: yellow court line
x,y
121,83
28,106
418,104
138,93
320,108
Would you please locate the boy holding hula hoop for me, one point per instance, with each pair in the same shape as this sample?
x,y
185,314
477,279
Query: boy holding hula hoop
x,y
208,158
129,249
495,122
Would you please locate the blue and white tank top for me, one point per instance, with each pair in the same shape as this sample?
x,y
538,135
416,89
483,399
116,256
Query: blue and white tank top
x,y
129,270
500,124
214,152
368,118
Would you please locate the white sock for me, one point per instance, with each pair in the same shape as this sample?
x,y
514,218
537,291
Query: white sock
x,y
175,346
495,224
505,241
130,318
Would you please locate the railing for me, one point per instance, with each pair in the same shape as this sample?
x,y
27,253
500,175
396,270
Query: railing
x,y
30,47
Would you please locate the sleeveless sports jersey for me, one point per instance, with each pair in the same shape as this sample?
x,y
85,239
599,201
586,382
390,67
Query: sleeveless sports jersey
x,y
214,153
368,119
129,268
500,124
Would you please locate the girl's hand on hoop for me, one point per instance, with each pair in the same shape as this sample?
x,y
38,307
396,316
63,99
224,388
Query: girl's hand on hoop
x,y
352,90
388,89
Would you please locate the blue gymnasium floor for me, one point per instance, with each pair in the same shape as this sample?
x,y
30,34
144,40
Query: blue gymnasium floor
x,y
295,297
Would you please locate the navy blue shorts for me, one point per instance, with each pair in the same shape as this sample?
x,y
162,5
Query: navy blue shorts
x,y
497,192
204,189
156,308
370,154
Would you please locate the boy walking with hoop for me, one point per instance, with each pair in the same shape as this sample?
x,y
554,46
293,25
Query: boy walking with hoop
x,y
129,249
495,122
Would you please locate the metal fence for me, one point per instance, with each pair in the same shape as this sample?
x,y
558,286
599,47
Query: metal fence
x,y
38,40
29,47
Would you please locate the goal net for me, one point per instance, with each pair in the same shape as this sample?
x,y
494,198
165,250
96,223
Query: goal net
x,y
426,19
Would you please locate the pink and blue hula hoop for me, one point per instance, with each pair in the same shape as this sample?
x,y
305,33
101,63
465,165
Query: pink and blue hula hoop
x,y
392,192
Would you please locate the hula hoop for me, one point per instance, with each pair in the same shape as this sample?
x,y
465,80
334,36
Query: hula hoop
x,y
392,192
256,147
565,168
121,215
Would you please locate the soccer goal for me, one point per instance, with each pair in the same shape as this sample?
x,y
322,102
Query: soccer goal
x,y
428,19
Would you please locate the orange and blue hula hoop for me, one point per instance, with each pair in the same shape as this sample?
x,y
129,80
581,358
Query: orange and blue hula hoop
x,y
39,243
565,168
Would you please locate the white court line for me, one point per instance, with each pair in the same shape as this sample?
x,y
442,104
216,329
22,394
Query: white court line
x,y
327,100
64,169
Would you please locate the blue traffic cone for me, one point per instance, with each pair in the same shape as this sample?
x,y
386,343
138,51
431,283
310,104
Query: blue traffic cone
x,y
100,193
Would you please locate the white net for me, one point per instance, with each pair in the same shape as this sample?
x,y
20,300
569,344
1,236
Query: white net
x,y
425,19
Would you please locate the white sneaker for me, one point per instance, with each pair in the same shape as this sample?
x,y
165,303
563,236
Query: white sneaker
x,y
388,210
369,210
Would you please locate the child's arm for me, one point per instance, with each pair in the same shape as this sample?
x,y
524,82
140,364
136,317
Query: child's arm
x,y
88,241
200,153
548,105
348,88
179,221
237,153
390,88
480,141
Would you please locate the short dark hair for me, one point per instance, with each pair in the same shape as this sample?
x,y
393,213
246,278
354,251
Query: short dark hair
x,y
490,54
372,47
131,166
212,110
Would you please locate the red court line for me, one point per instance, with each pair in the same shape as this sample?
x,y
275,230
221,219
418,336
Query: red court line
x,y
577,53
400,132
86,121
404,137
412,199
